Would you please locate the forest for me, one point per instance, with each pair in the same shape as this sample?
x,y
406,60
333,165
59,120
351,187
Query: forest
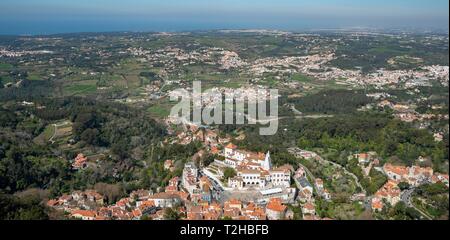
x,y
123,132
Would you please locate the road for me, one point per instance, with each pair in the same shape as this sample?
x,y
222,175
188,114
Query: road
x,y
320,159
300,115
295,110
308,172
406,197
56,130
54,134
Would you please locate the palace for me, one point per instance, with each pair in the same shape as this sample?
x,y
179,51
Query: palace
x,y
254,169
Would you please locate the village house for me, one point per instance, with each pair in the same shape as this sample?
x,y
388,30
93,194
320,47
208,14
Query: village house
x,y
232,209
173,185
158,215
80,162
118,213
103,213
140,195
326,195
88,199
252,212
305,195
438,137
168,165
124,203
194,212
303,184
275,210
234,203
211,137
319,184
165,200
390,192
214,150
94,196
300,173
414,175
377,204
308,209
307,154
439,177
189,177
83,214
203,211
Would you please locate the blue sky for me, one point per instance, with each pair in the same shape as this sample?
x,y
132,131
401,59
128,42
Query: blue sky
x,y
51,16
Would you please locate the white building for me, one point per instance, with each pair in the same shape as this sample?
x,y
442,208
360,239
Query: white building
x,y
254,169
280,177
165,200
190,177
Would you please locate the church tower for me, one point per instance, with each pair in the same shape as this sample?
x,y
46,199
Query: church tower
x,y
267,165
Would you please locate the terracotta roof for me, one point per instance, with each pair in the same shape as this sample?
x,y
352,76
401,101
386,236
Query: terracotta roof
x,y
163,195
231,146
276,205
214,150
234,201
65,197
377,204
137,213
171,189
309,206
84,213
52,202
399,170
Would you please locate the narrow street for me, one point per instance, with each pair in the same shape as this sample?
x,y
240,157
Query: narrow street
x,y
406,197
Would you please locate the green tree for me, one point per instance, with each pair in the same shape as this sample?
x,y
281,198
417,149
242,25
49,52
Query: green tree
x,y
229,173
404,185
171,214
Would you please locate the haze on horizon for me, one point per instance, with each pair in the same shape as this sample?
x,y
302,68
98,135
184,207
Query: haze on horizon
x,y
55,16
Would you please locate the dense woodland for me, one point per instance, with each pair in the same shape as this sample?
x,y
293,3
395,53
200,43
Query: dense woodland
x,y
126,133
332,102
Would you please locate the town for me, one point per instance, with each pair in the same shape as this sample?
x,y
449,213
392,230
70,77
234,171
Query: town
x,y
255,190
87,132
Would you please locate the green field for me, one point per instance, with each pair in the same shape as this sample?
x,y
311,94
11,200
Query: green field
x,y
301,78
80,89
45,136
160,111
34,77
5,66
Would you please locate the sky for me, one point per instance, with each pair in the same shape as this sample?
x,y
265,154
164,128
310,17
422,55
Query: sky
x,y
56,16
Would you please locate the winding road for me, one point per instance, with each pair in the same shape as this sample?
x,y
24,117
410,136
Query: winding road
x,y
406,197
296,150
319,158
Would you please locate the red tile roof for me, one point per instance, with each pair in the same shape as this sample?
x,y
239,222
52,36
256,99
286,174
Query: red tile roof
x,y
231,146
276,205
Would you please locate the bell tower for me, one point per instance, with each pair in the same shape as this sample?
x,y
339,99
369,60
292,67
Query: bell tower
x,y
267,165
